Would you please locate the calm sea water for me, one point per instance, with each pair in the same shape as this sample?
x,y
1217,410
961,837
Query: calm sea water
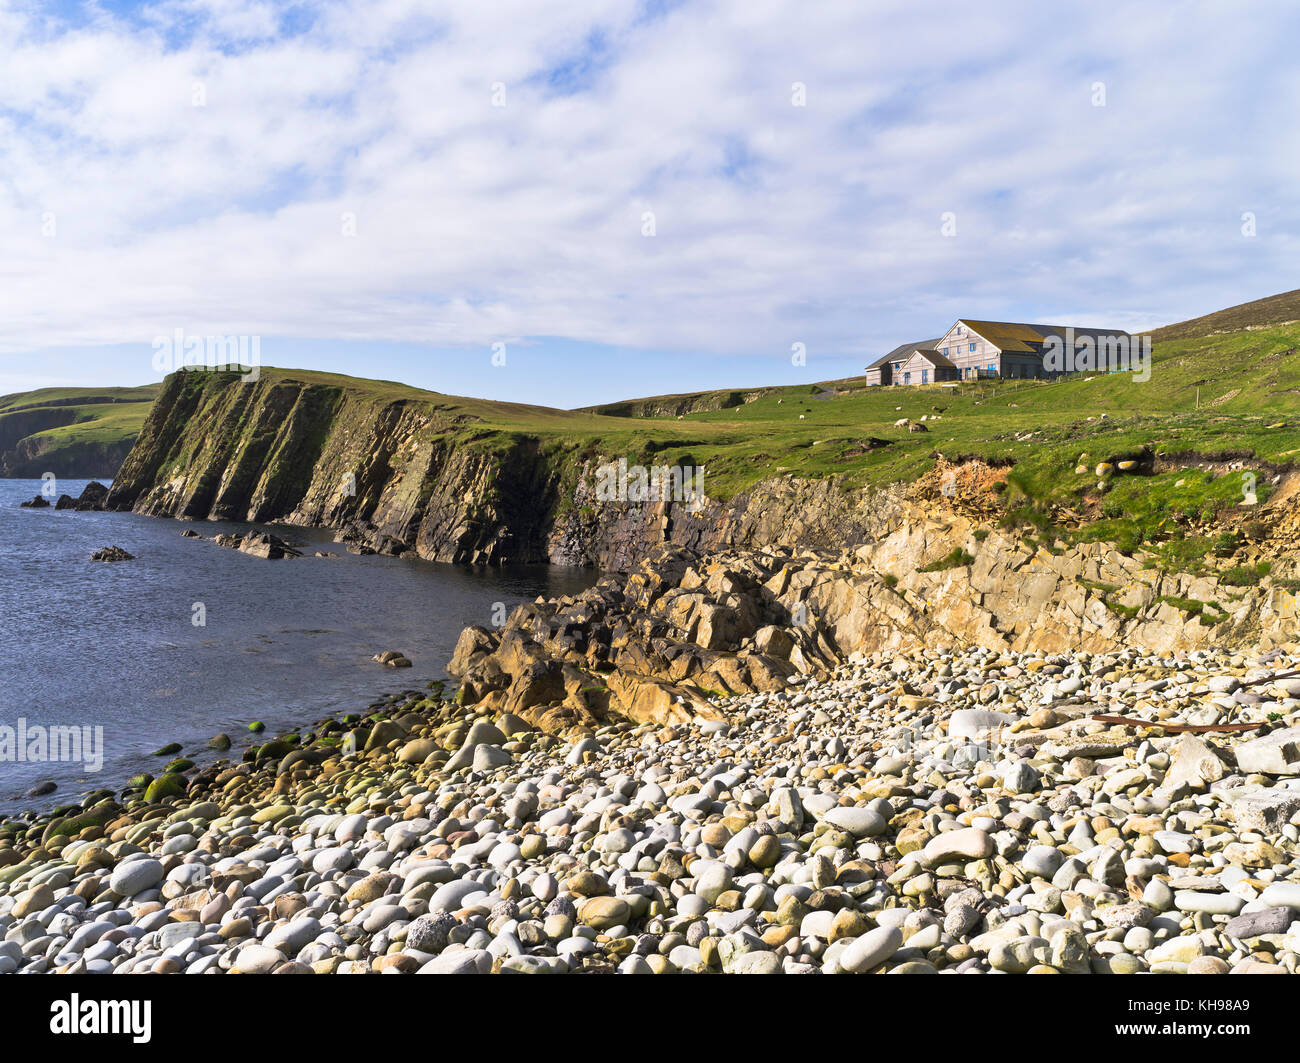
x,y
287,642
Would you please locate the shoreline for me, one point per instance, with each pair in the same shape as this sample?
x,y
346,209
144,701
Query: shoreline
x,y
698,768
917,811
198,750
174,690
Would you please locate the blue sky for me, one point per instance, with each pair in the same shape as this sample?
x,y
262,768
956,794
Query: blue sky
x,y
634,198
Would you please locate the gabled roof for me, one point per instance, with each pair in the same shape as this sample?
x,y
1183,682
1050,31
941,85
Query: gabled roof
x,y
1007,335
1026,338
1016,337
903,350
933,357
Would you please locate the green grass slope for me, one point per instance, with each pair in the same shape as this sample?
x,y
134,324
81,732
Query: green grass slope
x,y
76,432
1225,384
1233,392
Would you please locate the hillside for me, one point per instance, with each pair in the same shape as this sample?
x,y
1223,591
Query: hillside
x,y
657,406
395,468
471,480
1214,393
71,432
677,405
1224,389
1281,309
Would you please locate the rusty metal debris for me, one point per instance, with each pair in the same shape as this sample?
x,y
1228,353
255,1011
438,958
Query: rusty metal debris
x,y
1271,679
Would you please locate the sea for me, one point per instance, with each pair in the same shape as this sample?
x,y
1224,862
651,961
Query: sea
x,y
190,639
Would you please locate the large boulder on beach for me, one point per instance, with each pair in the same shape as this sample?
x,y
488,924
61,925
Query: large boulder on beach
x,y
488,757
417,751
1269,810
266,545
136,876
258,959
474,644
481,733
1193,766
384,733
977,723
968,843
1277,753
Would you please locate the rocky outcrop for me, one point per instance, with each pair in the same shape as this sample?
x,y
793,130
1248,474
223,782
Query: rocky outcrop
x,y
1016,596
91,498
619,650
775,512
259,544
111,553
685,626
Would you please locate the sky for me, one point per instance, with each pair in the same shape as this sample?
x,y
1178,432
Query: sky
x,y
568,203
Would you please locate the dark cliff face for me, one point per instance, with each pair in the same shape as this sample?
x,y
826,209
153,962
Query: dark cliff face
x,y
391,476
81,461
385,473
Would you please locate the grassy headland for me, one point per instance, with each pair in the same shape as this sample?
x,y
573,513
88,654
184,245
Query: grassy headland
x,y
1222,399
70,431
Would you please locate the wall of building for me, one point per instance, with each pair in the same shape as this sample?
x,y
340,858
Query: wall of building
x,y
958,341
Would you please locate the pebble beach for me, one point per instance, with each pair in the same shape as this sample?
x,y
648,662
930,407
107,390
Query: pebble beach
x,y
946,812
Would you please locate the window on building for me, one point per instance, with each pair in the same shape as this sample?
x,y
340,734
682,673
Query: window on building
x,y
993,367
972,348
907,378
925,376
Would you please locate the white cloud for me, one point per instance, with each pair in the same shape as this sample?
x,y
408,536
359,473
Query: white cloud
x,y
774,223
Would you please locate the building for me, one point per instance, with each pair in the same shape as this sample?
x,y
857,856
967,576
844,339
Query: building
x,y
925,365
881,371
976,350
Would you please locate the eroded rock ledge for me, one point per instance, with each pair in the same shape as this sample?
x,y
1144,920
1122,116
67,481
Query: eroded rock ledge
x,y
682,629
